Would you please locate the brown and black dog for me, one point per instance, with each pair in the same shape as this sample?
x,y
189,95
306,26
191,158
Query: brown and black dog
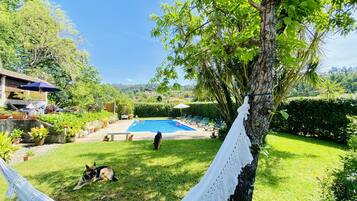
x,y
94,173
157,140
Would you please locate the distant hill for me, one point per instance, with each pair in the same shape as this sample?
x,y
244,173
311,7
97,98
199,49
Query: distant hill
x,y
148,93
145,87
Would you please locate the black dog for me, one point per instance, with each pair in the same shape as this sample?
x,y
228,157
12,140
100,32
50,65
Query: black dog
x,y
157,140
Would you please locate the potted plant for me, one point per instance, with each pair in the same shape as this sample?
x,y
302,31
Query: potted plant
x,y
38,134
16,135
71,134
29,154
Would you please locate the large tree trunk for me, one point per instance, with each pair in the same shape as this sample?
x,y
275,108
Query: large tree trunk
x,y
261,100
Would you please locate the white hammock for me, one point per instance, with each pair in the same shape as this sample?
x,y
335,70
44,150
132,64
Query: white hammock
x,y
18,186
221,178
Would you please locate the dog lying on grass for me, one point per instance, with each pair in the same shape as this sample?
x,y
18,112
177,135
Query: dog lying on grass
x,y
94,173
157,140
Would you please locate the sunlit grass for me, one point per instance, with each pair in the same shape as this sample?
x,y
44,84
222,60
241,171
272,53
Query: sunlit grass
x,y
289,173
293,167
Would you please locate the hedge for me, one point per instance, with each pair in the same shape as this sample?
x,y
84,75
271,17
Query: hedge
x,y
167,110
326,119
209,110
154,110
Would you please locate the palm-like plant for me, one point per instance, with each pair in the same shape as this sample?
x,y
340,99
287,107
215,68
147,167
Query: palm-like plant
x,y
330,89
6,146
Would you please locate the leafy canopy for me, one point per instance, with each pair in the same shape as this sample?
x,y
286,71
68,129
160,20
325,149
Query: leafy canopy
x,y
216,43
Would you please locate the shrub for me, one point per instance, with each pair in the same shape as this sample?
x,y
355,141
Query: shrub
x,y
155,110
342,183
204,109
352,126
38,133
317,118
30,153
16,134
167,110
352,143
6,146
74,122
222,132
124,106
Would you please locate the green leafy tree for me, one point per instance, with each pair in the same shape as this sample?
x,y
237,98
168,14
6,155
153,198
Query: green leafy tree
x,y
235,48
38,39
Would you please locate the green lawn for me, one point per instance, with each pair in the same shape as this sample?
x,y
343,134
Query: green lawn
x,y
289,173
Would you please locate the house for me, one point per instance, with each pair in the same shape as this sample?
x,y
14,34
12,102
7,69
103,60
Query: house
x,y
11,95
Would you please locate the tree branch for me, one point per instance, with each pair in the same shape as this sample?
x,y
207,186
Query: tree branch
x,y
255,5
187,35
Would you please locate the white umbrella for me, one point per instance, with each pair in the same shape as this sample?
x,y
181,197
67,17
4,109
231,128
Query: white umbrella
x,y
181,106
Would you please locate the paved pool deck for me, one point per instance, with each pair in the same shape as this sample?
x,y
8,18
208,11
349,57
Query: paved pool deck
x,y
123,125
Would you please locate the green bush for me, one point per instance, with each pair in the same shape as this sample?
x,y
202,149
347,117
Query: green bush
x,y
352,143
167,110
6,146
38,133
16,134
317,118
124,106
341,185
74,122
203,109
222,132
352,126
155,110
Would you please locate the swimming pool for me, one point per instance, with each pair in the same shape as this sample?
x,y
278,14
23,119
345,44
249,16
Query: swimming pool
x,y
164,126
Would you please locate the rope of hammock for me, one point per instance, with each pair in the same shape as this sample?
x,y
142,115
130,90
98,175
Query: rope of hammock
x,y
221,178
18,186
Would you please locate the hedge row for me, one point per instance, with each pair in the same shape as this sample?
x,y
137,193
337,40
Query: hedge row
x,y
154,110
326,119
317,118
167,110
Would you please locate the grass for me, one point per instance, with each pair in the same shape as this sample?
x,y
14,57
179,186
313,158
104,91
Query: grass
x,y
290,171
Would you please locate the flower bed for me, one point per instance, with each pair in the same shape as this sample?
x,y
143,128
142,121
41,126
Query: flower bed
x,y
72,125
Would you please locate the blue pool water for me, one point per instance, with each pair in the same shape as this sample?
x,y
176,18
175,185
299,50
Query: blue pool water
x,y
164,126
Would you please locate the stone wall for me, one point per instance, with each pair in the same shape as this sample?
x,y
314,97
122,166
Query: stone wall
x,y
7,125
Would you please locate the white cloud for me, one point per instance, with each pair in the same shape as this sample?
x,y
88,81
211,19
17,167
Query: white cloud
x,y
129,80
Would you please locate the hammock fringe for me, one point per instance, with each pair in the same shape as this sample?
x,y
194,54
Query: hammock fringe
x,y
221,178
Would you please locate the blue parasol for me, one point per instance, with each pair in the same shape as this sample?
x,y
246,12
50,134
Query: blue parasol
x,y
40,86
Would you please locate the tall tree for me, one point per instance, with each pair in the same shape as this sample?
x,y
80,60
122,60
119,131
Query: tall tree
x,y
38,39
237,47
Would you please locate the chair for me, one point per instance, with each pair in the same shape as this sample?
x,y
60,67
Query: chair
x,y
187,118
195,119
204,122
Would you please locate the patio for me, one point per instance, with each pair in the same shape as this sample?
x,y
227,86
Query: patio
x,y
123,125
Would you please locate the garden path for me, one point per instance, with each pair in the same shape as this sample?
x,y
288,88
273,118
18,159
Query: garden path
x,y
18,156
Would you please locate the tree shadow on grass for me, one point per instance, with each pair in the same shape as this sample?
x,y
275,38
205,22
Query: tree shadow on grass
x,y
269,166
310,140
144,174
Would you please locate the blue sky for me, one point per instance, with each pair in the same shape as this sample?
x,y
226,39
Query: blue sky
x,y
117,36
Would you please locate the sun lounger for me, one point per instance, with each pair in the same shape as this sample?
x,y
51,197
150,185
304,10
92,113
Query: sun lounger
x,y
195,120
204,122
188,118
